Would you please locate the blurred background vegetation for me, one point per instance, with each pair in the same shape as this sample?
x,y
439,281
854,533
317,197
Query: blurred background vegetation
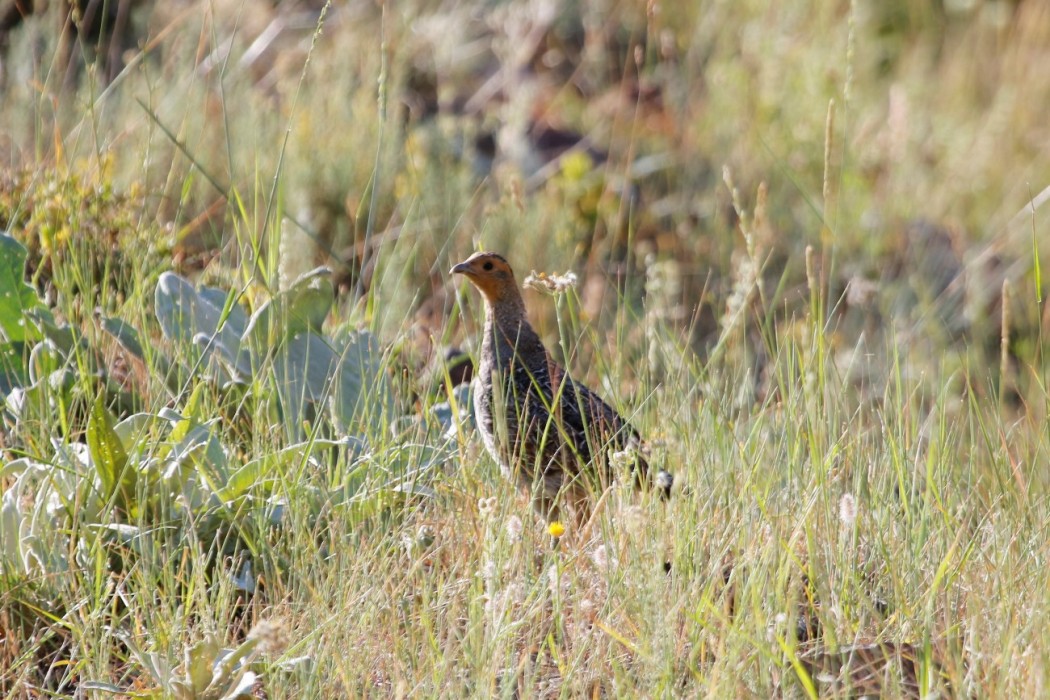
x,y
902,141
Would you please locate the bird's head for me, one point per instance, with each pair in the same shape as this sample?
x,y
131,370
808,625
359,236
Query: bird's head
x,y
491,274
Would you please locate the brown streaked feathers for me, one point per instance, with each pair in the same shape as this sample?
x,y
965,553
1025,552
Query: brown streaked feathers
x,y
545,429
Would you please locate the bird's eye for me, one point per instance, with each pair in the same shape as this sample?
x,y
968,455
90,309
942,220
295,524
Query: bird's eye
x,y
488,265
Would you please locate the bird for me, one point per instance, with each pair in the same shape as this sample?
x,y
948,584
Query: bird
x,y
548,432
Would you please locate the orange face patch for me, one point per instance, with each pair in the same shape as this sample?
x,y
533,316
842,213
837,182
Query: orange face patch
x,y
489,272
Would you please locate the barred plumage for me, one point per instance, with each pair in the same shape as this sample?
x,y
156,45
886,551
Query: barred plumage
x,y
546,430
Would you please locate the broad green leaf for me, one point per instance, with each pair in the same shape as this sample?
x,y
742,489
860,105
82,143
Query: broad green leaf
x,y
109,458
243,689
208,320
200,447
261,471
310,299
302,307
364,388
251,474
234,318
346,378
192,411
128,338
30,539
134,429
16,297
62,336
199,661
44,360
304,366
124,334
194,442
11,520
14,368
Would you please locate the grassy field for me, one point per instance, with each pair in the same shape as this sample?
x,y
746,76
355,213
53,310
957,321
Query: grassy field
x,y
808,244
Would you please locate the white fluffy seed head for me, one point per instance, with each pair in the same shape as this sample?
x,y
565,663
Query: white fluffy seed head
x,y
848,509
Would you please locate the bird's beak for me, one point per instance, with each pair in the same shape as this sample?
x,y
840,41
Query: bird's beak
x,y
460,269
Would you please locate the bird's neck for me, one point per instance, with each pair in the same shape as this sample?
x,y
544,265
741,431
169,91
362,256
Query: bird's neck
x,y
507,332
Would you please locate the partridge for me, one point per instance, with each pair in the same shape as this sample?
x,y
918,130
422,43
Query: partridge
x,y
550,433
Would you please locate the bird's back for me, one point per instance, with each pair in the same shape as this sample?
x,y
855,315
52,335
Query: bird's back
x,y
555,427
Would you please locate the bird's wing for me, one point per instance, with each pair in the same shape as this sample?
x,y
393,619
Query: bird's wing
x,y
589,420
574,418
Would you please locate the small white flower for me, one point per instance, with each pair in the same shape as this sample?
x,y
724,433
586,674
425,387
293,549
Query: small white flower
x,y
553,284
556,583
588,611
600,557
848,509
562,283
487,506
514,528
860,292
621,460
273,636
